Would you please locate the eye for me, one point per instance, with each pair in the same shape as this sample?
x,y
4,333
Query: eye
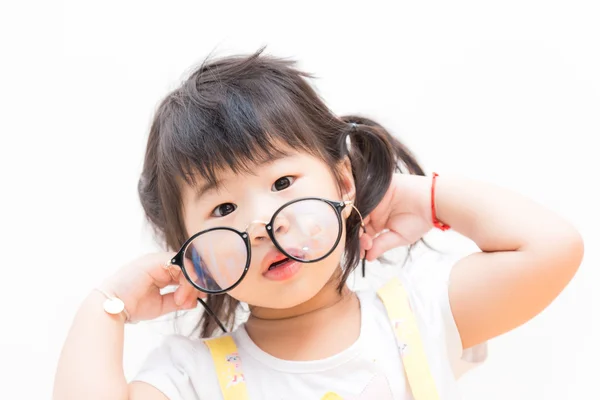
x,y
223,209
282,183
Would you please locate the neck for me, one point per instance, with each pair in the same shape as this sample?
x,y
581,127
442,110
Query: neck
x,y
311,330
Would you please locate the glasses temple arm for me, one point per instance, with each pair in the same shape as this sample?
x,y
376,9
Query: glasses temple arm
x,y
362,225
212,314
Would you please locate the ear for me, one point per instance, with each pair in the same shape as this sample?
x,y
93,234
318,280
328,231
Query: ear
x,y
347,185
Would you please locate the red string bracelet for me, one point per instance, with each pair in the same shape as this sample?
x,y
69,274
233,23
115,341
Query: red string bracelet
x,y
437,223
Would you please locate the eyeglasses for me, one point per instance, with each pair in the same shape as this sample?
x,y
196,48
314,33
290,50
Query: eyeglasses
x,y
305,230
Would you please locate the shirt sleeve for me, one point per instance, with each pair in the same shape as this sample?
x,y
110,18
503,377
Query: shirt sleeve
x,y
427,280
174,368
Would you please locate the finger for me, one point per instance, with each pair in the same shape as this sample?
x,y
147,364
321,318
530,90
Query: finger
x,y
156,267
168,304
371,231
366,221
379,217
193,277
193,296
174,273
183,290
186,292
366,242
384,242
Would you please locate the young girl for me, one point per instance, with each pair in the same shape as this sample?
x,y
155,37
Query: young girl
x,y
266,197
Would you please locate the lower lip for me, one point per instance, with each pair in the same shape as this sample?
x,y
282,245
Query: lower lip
x,y
284,271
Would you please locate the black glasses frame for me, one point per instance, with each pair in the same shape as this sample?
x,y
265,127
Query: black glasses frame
x,y
178,259
338,207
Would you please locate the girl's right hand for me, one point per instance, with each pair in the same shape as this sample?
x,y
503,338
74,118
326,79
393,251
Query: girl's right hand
x,y
138,285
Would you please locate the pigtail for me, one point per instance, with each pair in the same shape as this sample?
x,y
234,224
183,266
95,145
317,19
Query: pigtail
x,y
375,155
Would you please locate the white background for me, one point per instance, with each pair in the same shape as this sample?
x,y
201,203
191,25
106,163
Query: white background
x,y
503,91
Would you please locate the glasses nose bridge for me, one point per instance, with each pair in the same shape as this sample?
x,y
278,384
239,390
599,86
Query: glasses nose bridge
x,y
255,222
254,232
264,210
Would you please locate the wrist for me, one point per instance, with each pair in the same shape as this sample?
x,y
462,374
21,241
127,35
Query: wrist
x,y
434,215
95,305
415,192
116,302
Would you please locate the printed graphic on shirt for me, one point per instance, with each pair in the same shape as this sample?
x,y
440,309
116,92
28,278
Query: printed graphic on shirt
x,y
377,388
237,376
401,329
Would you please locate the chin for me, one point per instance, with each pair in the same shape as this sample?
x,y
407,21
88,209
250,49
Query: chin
x,y
293,296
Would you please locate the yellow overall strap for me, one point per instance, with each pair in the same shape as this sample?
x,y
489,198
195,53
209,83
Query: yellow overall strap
x,y
395,299
228,366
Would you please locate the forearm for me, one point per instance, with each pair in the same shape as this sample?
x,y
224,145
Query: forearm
x,y
91,362
497,219
529,254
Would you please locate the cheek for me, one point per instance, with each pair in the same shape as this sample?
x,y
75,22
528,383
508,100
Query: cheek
x,y
332,190
339,250
249,291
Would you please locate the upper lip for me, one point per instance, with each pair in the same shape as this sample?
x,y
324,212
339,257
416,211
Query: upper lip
x,y
275,255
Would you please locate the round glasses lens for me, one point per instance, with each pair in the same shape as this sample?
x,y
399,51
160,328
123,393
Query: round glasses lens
x,y
215,260
307,230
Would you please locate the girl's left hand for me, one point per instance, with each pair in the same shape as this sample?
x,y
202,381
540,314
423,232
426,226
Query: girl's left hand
x,y
401,218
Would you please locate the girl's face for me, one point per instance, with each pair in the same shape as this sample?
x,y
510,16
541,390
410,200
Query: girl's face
x,y
242,200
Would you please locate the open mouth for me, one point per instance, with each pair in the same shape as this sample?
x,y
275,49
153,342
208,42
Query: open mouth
x,y
279,263
284,262
283,269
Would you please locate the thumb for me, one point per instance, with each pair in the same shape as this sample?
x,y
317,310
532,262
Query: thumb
x,y
384,242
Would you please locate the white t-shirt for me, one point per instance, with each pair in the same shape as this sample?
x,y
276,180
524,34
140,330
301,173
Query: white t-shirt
x,y
371,368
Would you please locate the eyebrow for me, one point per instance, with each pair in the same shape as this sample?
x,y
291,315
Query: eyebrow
x,y
207,187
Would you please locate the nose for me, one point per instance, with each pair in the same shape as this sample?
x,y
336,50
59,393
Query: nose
x,y
281,226
257,231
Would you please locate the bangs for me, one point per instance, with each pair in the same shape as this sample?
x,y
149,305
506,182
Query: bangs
x,y
235,120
